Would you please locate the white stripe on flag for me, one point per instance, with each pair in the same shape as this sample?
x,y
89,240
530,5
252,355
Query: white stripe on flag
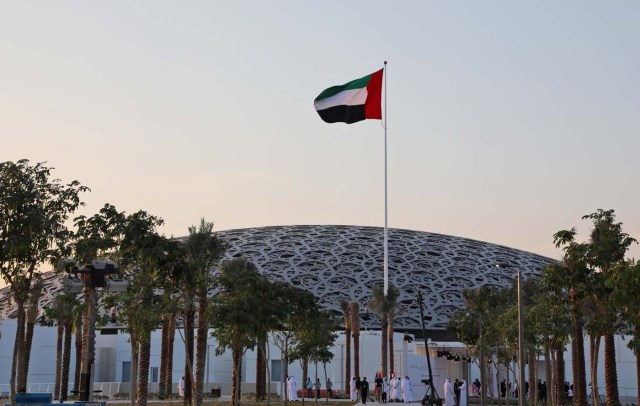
x,y
351,97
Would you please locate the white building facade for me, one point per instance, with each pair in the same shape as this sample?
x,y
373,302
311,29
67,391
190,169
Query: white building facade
x,y
112,369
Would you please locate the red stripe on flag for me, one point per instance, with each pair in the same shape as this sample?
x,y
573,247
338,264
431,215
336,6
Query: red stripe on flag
x,y
373,105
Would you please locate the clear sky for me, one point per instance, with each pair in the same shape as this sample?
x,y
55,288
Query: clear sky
x,y
508,121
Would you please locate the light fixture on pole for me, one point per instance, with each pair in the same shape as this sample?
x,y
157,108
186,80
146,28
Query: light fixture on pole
x,y
92,276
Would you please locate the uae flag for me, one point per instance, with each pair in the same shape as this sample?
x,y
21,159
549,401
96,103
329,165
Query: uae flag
x,y
358,100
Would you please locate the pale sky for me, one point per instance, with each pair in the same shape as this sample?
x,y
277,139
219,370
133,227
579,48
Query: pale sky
x,y
508,121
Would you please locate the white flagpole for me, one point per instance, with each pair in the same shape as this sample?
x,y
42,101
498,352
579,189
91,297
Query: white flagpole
x,y
386,231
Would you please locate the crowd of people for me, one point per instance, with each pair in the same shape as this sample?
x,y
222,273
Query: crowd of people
x,y
398,389
395,389
456,394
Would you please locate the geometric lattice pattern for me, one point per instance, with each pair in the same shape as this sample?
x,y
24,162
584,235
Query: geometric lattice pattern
x,y
336,262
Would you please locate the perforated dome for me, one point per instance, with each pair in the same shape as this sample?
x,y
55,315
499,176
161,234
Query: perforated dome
x,y
345,262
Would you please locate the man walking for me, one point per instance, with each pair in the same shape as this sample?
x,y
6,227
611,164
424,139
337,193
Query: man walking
x,y
364,390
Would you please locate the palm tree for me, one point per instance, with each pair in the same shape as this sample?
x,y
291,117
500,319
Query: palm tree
x,y
54,314
66,357
31,313
170,269
573,277
392,320
68,311
78,345
344,306
354,310
383,305
607,247
203,250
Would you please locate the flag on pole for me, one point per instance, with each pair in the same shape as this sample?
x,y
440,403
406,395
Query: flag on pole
x,y
358,100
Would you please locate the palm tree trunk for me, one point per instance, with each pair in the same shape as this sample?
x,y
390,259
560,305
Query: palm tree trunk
x,y
548,374
637,337
383,345
76,374
168,385
143,377
577,362
201,345
532,383
610,371
163,358
23,369
560,394
354,310
347,361
390,348
188,367
66,360
356,353
135,356
56,385
595,353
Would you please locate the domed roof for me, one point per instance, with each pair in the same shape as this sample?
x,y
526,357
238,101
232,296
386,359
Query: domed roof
x,y
345,262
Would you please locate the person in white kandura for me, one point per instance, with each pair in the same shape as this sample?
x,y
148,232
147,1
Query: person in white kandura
x,y
392,395
449,400
352,389
463,393
405,385
292,388
181,387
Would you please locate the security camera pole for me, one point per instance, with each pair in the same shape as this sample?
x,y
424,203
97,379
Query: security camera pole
x,y
93,276
431,398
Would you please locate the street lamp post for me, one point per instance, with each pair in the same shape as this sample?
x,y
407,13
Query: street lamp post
x,y
483,366
522,401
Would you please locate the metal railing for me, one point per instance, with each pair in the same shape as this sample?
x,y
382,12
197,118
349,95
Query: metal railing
x,y
107,389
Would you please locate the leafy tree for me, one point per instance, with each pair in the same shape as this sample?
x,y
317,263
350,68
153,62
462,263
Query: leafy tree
x,y
237,312
475,326
298,307
33,212
315,336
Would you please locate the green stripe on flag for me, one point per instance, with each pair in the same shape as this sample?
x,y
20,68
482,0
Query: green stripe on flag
x,y
354,84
